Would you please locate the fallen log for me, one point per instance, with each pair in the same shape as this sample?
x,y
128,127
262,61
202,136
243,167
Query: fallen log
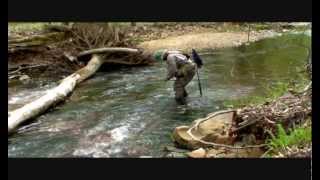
x,y
105,50
130,56
55,95
66,86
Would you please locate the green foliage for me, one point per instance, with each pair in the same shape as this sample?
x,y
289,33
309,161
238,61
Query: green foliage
x,y
298,136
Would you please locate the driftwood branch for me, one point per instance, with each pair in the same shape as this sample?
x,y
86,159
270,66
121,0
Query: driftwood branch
x,y
108,50
67,85
55,95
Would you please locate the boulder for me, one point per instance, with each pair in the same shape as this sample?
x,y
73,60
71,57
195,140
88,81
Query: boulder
x,y
214,129
184,140
199,153
24,77
175,155
234,153
218,153
174,149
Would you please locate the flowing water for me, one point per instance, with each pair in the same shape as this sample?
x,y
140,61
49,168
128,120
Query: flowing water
x,y
131,112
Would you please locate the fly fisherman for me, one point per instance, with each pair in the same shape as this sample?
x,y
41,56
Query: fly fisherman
x,y
180,66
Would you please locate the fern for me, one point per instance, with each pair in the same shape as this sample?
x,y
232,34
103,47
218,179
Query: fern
x,y
297,136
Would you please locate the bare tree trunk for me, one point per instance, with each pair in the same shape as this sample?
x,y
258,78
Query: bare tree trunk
x,y
55,95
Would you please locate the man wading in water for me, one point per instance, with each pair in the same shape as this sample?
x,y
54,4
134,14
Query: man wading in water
x,y
179,65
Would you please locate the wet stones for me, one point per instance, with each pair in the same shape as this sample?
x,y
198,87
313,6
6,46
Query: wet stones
x,y
176,155
225,153
24,78
234,153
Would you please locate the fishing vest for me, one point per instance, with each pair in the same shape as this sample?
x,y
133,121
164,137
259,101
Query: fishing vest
x,y
184,65
182,60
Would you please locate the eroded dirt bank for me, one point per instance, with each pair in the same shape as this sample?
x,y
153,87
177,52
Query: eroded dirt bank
x,y
205,41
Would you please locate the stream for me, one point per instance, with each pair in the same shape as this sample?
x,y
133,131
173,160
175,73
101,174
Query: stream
x,y
131,112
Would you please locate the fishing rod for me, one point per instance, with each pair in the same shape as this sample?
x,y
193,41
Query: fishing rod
x,y
199,83
196,58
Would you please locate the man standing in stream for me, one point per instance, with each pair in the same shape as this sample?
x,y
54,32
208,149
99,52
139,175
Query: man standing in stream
x,y
180,66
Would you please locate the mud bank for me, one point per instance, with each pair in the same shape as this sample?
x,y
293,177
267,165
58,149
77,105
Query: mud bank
x,y
205,41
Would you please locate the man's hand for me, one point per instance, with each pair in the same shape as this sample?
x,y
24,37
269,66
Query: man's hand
x,y
177,75
168,79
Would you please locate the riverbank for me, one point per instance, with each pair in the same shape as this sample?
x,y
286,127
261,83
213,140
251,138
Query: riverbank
x,y
206,41
238,83
280,128
49,54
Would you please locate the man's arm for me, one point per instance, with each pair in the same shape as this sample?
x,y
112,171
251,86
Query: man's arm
x,y
172,67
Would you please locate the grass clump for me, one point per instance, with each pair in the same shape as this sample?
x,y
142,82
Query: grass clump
x,y
295,137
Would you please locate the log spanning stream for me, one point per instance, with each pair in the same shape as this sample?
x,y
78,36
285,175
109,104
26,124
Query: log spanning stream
x,y
131,112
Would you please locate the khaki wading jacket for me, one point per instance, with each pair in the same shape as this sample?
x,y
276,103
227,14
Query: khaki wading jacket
x,y
176,65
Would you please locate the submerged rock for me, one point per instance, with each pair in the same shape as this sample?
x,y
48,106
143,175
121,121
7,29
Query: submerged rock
x,y
145,157
24,77
174,149
176,155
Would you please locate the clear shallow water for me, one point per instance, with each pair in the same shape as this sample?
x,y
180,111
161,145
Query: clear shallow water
x,y
131,112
